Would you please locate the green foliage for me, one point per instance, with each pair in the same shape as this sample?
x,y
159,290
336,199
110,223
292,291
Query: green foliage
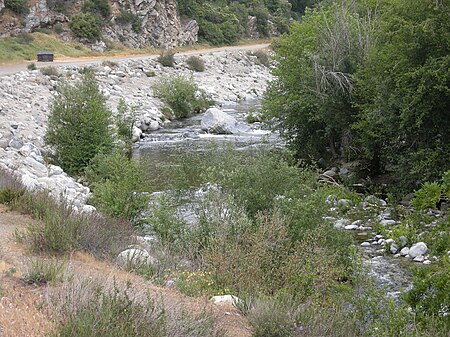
x,y
182,95
262,21
78,124
44,271
118,185
310,97
31,66
87,307
262,57
124,121
427,197
10,188
430,295
404,94
25,38
97,7
167,59
195,63
61,230
17,6
57,231
127,17
49,71
86,26
93,314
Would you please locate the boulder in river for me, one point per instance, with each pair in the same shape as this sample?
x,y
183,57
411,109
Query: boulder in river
x,y
218,121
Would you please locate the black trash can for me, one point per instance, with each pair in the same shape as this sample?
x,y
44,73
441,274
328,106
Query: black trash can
x,y
45,56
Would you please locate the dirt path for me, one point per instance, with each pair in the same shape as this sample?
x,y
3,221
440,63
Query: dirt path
x,y
22,307
82,61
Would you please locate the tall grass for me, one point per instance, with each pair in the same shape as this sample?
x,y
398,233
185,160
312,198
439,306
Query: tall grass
x,y
59,228
94,307
13,49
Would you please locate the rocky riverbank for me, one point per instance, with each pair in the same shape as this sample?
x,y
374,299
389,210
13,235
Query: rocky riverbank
x,y
26,98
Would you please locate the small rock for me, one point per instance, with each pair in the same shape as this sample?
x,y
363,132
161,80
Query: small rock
x,y
403,240
419,258
385,222
390,241
365,244
394,248
427,262
341,223
404,251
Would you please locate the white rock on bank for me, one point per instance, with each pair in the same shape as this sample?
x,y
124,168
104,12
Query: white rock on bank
x,y
225,300
418,249
135,256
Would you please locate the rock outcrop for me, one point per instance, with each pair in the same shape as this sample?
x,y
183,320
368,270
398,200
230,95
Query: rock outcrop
x,y
159,23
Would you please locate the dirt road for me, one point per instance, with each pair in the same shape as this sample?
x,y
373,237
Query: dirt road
x,y
82,61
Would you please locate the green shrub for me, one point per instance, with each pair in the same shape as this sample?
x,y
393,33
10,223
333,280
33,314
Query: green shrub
x,y
24,38
124,121
17,6
262,57
49,71
127,17
167,59
262,21
58,28
86,26
195,63
44,271
61,230
57,232
271,318
118,185
181,94
31,66
427,197
97,7
430,295
11,188
86,307
78,124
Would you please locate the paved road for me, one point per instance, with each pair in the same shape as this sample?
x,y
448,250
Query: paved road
x,y
11,69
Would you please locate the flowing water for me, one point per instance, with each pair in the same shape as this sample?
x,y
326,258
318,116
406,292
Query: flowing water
x,y
164,149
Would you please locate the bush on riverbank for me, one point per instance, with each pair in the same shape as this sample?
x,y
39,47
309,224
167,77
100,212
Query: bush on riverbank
x,y
78,124
118,185
182,95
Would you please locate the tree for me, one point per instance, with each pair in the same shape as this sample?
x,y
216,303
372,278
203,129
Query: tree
x,y
310,99
78,124
404,93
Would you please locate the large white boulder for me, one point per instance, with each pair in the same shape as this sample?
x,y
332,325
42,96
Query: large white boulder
x,y
218,121
418,249
135,257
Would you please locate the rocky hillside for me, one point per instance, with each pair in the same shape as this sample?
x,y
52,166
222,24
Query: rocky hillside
x,y
135,23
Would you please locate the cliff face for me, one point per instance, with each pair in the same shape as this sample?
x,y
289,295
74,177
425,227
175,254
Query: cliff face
x,y
159,22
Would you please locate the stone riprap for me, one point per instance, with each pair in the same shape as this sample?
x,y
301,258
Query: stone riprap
x,y
26,96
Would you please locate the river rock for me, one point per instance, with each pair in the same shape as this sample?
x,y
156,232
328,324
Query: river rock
x,y
218,121
341,223
418,249
365,244
404,251
351,227
394,248
419,258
